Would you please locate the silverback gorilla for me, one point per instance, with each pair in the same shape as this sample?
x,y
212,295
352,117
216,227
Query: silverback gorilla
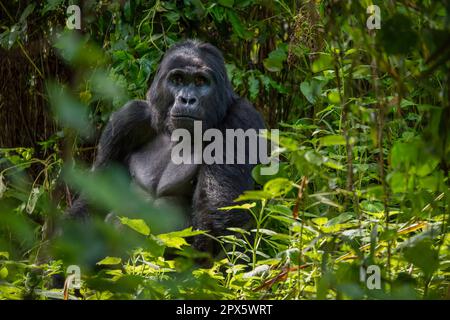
x,y
190,85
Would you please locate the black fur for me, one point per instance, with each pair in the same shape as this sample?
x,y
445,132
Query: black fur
x,y
138,137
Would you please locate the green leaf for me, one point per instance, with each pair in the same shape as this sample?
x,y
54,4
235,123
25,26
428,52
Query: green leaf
x,y
172,16
109,261
324,62
362,72
402,154
245,206
267,232
263,178
188,232
274,63
311,90
254,195
372,206
51,5
278,208
343,217
333,97
78,51
320,221
127,9
239,230
176,239
172,241
277,187
333,165
332,140
426,168
313,157
138,225
3,273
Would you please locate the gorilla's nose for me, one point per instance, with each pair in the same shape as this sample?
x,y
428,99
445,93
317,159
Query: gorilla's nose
x,y
187,100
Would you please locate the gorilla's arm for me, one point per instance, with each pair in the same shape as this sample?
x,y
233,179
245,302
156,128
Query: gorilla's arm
x,y
220,184
127,129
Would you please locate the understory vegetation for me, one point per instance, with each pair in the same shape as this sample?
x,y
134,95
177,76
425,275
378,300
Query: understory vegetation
x,y
358,210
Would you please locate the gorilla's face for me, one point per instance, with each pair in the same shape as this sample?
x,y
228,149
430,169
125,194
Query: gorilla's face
x,y
192,89
191,85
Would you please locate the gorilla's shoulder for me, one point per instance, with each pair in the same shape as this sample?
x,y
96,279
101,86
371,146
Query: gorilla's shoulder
x,y
243,115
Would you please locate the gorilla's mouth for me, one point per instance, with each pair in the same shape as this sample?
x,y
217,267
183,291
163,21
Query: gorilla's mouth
x,y
184,117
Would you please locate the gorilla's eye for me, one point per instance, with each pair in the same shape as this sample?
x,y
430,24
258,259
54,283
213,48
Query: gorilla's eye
x,y
200,81
177,79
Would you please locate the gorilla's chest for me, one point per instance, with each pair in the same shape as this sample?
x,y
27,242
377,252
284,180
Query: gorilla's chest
x,y
152,169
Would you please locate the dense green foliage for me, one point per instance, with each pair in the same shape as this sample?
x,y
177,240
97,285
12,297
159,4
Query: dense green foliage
x,y
365,130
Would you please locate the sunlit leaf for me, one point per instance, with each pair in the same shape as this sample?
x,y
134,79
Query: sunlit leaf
x,y
332,140
278,186
138,225
245,206
109,261
28,10
3,273
172,241
311,90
